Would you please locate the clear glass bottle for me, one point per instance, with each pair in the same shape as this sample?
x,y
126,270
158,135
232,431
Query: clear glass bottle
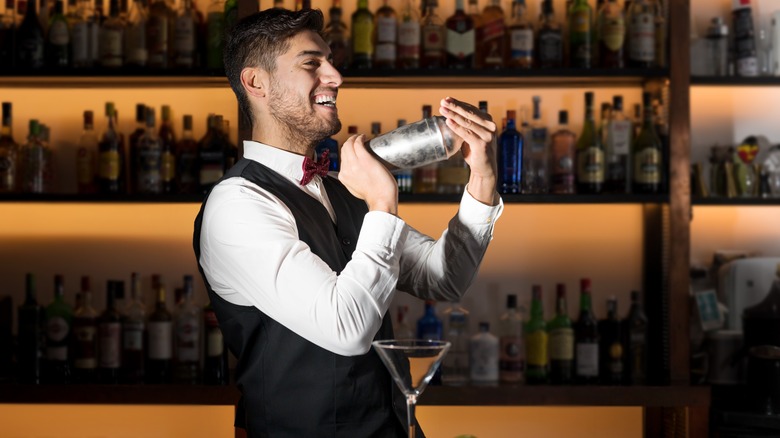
x,y
187,336
455,365
362,32
549,52
134,334
335,35
510,157
9,152
385,37
433,51
562,152
510,335
491,46
409,37
521,38
718,47
136,52
484,356
403,329
618,149
536,174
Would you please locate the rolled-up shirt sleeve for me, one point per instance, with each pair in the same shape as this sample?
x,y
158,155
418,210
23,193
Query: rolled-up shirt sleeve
x,y
443,269
251,254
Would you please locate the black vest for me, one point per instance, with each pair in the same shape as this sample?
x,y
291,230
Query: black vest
x,y
291,387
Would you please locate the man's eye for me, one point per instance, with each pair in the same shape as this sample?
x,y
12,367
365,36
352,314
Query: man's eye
x,y
312,63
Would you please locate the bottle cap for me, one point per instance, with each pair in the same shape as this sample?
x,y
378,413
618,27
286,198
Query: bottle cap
x,y
536,292
352,129
86,283
560,290
617,103
187,122
585,285
511,301
589,98
563,117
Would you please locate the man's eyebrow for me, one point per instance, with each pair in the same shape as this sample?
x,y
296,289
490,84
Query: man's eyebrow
x,y
305,53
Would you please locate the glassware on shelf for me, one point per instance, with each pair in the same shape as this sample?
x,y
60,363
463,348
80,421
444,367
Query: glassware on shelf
x,y
717,47
771,167
411,363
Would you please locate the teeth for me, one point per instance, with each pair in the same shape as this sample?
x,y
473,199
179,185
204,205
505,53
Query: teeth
x,y
325,99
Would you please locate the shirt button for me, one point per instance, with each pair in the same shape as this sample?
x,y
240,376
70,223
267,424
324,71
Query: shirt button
x,y
346,241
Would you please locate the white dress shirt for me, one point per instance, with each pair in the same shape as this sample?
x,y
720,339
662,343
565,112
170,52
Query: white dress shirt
x,y
252,256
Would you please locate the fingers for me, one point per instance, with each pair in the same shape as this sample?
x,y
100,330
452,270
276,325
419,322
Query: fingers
x,y
347,151
468,119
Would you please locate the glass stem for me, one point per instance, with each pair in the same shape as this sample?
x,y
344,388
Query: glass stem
x,y
411,402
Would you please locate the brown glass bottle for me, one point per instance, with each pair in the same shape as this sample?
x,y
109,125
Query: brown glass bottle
x,y
586,339
111,156
491,44
187,159
168,146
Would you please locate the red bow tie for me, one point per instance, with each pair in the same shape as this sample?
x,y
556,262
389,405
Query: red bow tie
x,y
319,167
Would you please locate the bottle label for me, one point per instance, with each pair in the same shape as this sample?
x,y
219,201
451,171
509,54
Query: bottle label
x,y
590,165
7,173
647,166
58,33
550,47
613,33
512,354
460,45
361,37
616,358
587,359
110,344
521,43
59,353
493,30
184,38
79,36
168,166
386,29
210,173
580,22
433,40
133,336
536,348
109,165
136,45
562,344
187,340
214,340
56,332
157,39
110,50
149,171
619,138
160,340
483,360
642,40
85,354
538,139
409,40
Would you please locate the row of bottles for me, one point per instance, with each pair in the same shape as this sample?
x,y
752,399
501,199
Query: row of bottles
x,y
139,34
616,156
610,351
604,35
152,161
130,343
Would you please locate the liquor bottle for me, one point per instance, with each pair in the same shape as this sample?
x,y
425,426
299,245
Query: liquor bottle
x,y
521,38
30,335
149,158
510,157
618,149
453,174
402,176
136,51
660,35
424,178
484,356
461,39
611,35
641,28
186,159
562,151
111,38
580,34
35,164
231,150
385,37
611,353
134,334
8,36
586,339
110,336
30,40
332,146
167,139
9,152
606,115
211,155
433,50
86,166
536,342
476,18
549,45
133,143
185,36
429,326
336,36
215,19
159,339
409,37
510,335
57,47
647,151
231,15
58,320
561,341
215,365
362,32
85,337
187,336
455,365
590,154
403,329
157,32
536,175
635,341
79,20
491,41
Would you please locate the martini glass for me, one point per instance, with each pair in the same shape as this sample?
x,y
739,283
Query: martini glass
x,y
412,363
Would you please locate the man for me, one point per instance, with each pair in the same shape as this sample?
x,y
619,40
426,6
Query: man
x,y
301,269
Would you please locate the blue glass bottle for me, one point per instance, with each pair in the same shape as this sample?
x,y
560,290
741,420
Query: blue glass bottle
x,y
333,146
429,326
510,157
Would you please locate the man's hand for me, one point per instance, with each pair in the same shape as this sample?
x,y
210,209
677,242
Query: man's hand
x,y
478,131
367,178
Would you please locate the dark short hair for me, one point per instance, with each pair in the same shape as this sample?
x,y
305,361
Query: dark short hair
x,y
258,39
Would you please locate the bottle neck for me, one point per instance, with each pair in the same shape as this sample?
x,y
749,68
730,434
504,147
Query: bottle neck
x,y
585,303
560,306
537,309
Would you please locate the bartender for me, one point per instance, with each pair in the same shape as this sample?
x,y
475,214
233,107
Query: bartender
x,y
302,267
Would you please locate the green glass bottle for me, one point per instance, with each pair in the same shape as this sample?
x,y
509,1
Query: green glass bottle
x,y
648,174
362,36
59,316
590,154
57,47
580,34
231,15
561,340
28,356
536,359
215,35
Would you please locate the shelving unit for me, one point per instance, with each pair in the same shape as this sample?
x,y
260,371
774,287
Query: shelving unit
x,y
757,202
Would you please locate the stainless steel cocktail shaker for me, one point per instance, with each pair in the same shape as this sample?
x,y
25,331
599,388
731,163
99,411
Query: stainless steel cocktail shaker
x,y
416,144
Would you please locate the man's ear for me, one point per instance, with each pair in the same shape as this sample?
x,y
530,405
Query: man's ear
x,y
255,81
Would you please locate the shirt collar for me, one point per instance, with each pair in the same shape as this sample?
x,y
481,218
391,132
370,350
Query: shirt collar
x,y
286,163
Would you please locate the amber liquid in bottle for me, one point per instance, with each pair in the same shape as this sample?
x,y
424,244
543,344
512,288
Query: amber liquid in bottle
x,y
492,37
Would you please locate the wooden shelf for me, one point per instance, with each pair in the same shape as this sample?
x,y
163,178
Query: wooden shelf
x,y
756,202
77,79
735,81
653,396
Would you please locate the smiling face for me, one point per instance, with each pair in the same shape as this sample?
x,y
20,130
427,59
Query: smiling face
x,y
302,91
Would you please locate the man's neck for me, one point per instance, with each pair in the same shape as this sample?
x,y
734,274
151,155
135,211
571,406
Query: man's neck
x,y
271,134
